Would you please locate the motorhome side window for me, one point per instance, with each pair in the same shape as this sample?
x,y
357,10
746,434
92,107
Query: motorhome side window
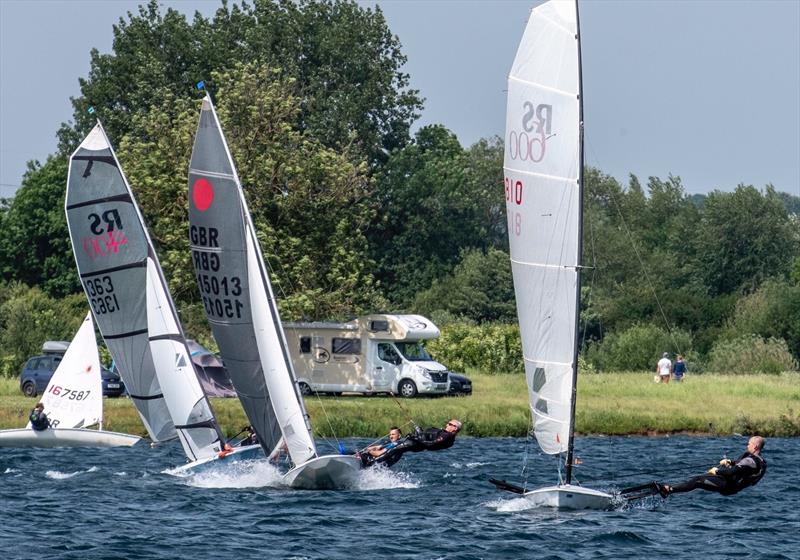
x,y
379,326
387,353
305,345
346,345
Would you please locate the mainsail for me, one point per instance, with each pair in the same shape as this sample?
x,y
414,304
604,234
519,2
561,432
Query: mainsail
x,y
542,162
129,296
238,297
74,396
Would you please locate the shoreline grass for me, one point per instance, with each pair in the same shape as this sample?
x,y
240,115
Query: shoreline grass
x,y
608,404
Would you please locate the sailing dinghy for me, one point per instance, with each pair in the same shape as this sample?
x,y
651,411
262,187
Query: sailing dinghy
x,y
73,401
543,165
241,308
127,290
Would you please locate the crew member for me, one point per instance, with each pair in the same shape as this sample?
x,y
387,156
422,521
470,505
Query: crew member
x,y
38,418
730,477
373,453
432,439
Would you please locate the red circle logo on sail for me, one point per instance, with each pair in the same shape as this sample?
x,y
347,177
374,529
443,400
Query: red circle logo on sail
x,y
202,194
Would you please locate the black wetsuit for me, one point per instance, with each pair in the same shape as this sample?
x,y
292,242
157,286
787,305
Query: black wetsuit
x,y
745,471
432,439
39,420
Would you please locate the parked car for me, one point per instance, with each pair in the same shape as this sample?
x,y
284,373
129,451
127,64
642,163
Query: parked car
x,y
38,370
112,383
460,385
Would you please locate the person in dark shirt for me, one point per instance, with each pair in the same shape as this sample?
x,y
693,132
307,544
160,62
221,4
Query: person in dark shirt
x,y
679,369
38,418
431,439
730,477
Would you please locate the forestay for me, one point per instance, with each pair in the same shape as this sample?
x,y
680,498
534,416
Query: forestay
x,y
237,295
74,396
542,163
127,291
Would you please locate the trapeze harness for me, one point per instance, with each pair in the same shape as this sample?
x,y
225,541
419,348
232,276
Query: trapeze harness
x,y
745,471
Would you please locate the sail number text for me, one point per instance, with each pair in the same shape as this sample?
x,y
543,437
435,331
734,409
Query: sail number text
x,y
101,295
69,394
221,294
514,192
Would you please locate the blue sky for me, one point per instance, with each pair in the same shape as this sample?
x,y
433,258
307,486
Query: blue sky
x,y
708,90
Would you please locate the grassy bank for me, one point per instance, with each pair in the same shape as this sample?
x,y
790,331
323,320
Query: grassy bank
x,y
613,404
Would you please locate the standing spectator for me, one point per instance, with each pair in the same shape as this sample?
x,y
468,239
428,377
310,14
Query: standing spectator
x,y
679,370
664,368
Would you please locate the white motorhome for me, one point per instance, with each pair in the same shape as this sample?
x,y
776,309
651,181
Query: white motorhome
x,y
371,354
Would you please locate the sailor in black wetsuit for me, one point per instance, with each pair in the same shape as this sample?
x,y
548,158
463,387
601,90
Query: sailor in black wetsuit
x,y
432,439
38,418
729,477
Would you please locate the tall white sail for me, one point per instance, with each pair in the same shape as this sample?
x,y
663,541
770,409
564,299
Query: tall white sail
x,y
238,297
128,293
542,164
74,396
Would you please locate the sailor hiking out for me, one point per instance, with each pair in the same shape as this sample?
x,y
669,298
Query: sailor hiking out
x,y
430,439
730,477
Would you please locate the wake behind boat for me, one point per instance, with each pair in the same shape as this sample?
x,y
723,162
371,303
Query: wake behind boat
x,y
242,311
543,165
73,401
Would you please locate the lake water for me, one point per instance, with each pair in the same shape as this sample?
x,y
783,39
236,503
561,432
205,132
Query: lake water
x,y
120,503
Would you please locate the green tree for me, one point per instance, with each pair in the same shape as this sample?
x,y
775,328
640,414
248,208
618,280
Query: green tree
x,y
29,317
433,201
480,289
743,238
34,240
309,203
346,63
772,311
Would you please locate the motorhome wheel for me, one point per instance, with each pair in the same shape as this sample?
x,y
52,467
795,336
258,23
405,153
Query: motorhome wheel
x,y
407,388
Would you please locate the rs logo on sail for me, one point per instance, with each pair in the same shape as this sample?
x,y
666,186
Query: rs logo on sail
x,y
530,143
108,235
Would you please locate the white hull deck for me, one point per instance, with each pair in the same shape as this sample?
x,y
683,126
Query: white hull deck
x,y
246,453
329,472
571,497
65,437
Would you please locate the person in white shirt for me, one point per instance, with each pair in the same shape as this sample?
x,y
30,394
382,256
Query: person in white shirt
x,y
664,368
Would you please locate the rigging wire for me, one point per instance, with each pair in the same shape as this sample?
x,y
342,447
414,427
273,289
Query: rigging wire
x,y
650,284
272,270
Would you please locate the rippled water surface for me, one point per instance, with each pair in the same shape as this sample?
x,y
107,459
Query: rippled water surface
x,y
123,503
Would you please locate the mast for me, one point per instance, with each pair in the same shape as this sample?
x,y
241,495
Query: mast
x,y
571,443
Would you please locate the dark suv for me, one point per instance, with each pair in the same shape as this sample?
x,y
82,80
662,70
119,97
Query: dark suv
x,y
38,370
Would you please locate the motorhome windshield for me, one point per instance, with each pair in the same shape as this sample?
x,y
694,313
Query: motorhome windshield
x,y
413,351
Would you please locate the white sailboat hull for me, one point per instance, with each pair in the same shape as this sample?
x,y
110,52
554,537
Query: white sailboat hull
x,y
246,453
570,497
329,472
65,437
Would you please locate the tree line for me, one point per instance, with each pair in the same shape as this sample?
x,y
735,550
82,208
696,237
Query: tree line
x,y
356,215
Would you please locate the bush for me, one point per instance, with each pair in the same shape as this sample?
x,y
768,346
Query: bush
x,y
490,348
638,348
751,354
29,318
